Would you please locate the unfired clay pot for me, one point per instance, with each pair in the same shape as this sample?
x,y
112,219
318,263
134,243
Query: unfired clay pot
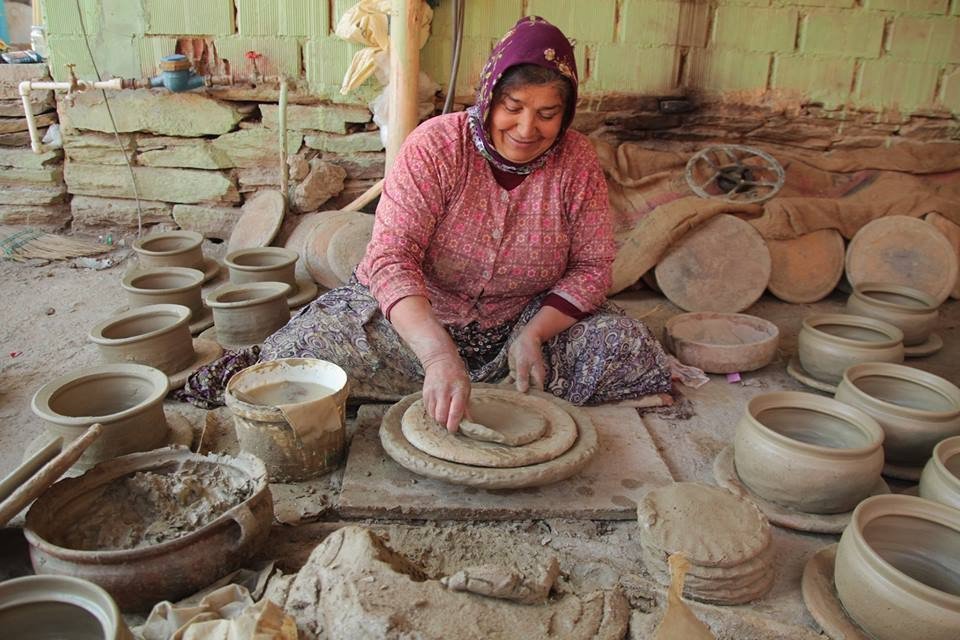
x,y
165,285
940,480
263,264
829,343
910,310
916,409
245,314
897,571
157,335
59,607
127,399
722,342
807,452
171,249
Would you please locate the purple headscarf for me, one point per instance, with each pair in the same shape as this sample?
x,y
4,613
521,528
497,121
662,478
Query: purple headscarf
x,y
532,40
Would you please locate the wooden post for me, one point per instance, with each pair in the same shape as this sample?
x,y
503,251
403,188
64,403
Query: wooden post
x,y
404,73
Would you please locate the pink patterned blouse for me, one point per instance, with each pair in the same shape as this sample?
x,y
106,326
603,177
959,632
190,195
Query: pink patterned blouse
x,y
445,229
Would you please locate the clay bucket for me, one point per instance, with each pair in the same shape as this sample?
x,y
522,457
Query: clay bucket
x,y
829,343
910,310
940,480
296,438
139,578
59,607
245,314
127,399
264,264
157,335
898,568
916,409
171,249
807,452
165,285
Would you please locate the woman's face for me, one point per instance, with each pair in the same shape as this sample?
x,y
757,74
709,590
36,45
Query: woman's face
x,y
526,121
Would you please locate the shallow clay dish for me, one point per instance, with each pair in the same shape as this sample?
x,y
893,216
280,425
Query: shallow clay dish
x,y
903,250
348,246
806,268
259,223
820,597
932,345
952,233
722,342
722,265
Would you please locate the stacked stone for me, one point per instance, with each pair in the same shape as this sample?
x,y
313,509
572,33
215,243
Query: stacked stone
x,y
724,538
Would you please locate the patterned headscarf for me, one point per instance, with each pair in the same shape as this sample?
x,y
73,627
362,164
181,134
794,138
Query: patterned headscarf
x,y
535,41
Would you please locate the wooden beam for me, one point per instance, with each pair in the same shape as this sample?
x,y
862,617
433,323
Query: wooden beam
x,y
404,73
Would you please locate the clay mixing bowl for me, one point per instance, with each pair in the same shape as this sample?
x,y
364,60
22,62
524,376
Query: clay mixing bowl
x,y
59,607
940,480
910,310
722,342
165,285
245,314
807,452
171,249
156,335
916,409
263,264
829,343
897,571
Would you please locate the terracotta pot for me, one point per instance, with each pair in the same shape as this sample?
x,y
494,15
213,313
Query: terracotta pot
x,y
157,335
139,578
263,264
940,480
127,399
245,314
910,310
59,607
807,452
829,343
165,285
916,409
722,342
898,568
171,249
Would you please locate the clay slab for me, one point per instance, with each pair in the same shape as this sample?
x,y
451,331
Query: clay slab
x,y
609,487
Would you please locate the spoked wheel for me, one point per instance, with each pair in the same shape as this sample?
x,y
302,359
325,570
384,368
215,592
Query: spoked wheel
x,y
734,173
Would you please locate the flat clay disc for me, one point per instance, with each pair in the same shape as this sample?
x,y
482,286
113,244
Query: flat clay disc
x,y
903,250
748,571
259,223
722,265
807,268
952,233
318,240
348,245
930,346
726,595
796,371
297,241
423,432
820,597
710,526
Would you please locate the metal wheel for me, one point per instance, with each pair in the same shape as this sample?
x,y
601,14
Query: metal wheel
x,y
734,173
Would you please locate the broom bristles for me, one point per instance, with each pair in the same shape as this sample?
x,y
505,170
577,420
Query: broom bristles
x,y
29,244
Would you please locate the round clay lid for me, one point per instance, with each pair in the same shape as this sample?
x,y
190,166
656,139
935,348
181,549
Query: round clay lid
x,y
259,223
722,265
318,240
710,526
903,250
348,244
806,268
952,232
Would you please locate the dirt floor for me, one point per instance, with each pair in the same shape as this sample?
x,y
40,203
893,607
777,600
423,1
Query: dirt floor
x,y
48,309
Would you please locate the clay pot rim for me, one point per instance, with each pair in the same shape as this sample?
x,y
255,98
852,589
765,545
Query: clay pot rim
x,y
195,239
270,413
106,471
128,280
894,504
64,589
894,334
287,256
180,312
947,448
906,373
271,291
40,403
862,291
856,418
773,331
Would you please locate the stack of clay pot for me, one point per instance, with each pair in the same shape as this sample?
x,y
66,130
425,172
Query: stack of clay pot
x,y
270,264
910,310
332,244
724,538
169,285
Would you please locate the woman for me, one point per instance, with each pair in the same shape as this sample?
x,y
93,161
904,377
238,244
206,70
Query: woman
x,y
491,255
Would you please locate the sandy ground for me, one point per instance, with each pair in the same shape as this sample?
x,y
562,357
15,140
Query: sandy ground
x,y
48,309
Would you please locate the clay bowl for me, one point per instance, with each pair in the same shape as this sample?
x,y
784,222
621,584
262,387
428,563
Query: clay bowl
x,y
807,452
127,399
165,285
245,314
910,310
722,342
264,264
829,343
139,578
59,607
940,480
916,409
157,335
897,571
171,249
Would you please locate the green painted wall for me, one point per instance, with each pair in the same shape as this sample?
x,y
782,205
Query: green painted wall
x,y
901,55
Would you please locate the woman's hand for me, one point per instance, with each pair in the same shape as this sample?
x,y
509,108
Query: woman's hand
x,y
525,358
446,391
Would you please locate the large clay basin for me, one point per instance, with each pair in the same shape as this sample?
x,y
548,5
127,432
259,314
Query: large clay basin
x,y
157,335
722,342
165,285
171,249
807,452
127,399
898,568
912,311
263,264
42,607
829,343
245,314
916,409
940,480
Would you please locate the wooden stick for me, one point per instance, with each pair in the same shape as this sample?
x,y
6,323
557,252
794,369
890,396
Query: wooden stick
x,y
29,467
366,197
404,73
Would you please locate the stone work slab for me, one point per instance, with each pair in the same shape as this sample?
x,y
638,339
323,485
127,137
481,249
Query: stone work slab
x,y
42,103
98,213
332,118
11,75
360,165
350,143
27,159
43,175
97,148
46,217
33,195
169,185
626,467
212,222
